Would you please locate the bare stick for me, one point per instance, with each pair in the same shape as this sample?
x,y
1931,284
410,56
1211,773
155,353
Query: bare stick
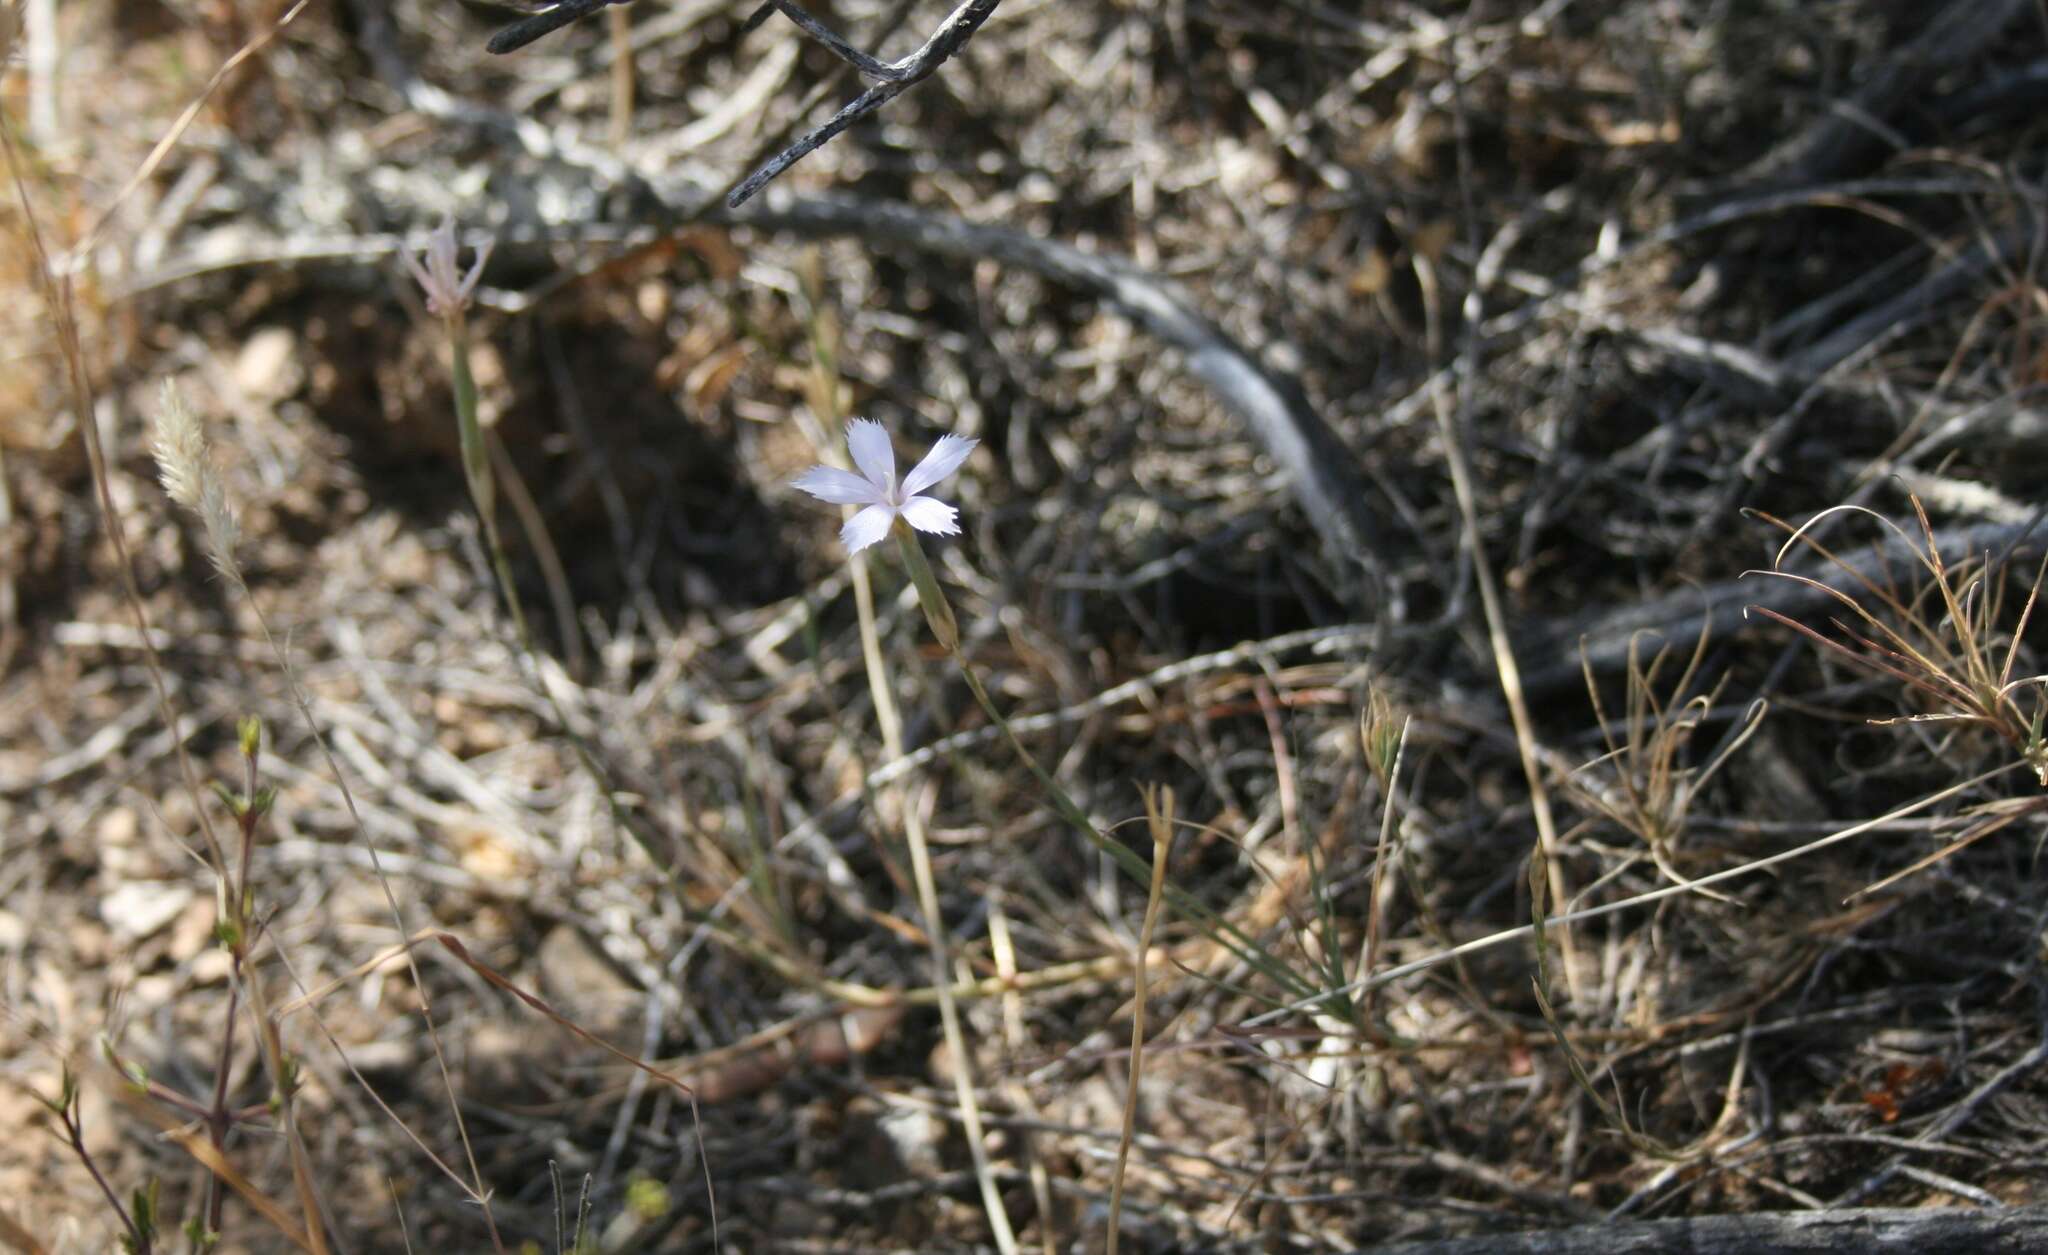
x,y
1159,817
896,78
1857,1232
522,33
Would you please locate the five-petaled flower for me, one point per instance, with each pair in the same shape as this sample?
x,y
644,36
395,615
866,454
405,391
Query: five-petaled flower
x,y
877,488
448,289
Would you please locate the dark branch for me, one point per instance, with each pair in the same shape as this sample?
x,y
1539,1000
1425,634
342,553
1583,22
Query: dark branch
x,y
522,33
2014,1230
831,39
866,103
893,78
896,77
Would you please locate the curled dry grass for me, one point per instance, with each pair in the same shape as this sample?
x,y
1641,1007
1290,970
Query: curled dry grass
x,y
1945,641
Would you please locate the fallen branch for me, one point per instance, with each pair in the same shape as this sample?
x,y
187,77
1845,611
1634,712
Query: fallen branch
x,y
2019,1230
896,77
892,78
525,31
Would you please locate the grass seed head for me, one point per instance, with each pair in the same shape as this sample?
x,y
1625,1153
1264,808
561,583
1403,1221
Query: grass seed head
x,y
185,465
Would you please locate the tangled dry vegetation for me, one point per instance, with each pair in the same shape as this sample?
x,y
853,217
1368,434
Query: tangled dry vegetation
x,y
1379,409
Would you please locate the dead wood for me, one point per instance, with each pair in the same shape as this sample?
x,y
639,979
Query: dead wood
x,y
1838,1232
1723,609
1852,133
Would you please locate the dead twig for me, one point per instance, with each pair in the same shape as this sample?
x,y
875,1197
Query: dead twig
x,y
1923,1229
896,78
526,30
893,78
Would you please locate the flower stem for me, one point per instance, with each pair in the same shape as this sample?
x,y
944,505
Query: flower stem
x,y
943,626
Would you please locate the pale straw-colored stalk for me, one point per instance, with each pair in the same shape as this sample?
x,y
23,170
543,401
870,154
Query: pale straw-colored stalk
x,y
1159,819
825,398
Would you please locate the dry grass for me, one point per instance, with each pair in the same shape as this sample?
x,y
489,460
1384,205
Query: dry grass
x,y
621,870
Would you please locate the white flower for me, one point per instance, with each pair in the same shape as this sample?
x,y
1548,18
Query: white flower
x,y
448,289
876,486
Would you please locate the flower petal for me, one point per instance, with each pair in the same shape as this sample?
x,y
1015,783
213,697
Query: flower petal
x,y
929,514
945,458
419,272
829,483
867,527
868,441
476,271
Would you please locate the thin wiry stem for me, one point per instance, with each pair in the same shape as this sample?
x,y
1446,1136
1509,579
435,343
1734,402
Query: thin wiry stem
x,y
1159,816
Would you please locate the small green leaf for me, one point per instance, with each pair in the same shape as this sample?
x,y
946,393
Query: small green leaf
x,y
143,1205
237,805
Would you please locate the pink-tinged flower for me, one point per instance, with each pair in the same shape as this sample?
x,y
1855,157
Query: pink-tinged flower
x,y
448,289
877,488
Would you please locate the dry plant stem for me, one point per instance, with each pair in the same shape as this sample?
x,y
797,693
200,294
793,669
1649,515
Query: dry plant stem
x,y
1159,818
956,1038
180,1132
1004,952
621,22
170,139
183,464
244,931
57,300
1950,659
218,1118
475,1187
1545,854
259,1006
249,983
1055,976
935,921
1998,821
453,945
1375,922
10,562
552,572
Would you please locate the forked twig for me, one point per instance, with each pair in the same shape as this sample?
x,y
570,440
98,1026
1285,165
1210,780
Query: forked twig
x,y
896,78
893,78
